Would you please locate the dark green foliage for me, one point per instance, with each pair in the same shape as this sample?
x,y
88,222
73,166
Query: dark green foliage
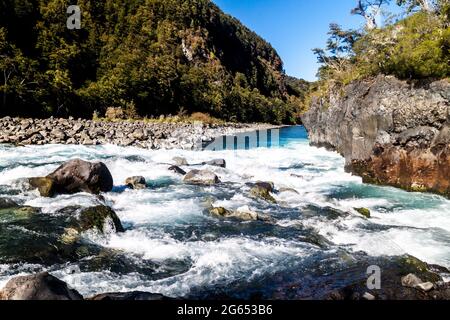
x,y
154,56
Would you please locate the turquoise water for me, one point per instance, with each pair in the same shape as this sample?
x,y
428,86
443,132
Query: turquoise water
x,y
172,246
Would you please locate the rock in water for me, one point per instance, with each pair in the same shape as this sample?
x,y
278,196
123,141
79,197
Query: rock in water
x,y
137,182
7,203
363,211
129,296
244,215
201,177
81,176
177,169
179,161
411,281
42,286
217,163
96,217
262,190
45,185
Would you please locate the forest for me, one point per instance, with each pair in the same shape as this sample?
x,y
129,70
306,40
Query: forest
x,y
144,57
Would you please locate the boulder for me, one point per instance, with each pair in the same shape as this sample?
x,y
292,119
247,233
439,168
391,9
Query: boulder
x,y
244,215
42,286
129,296
137,182
201,177
80,176
177,169
217,163
269,186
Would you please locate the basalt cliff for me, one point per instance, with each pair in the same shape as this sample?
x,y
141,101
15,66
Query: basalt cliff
x,y
391,132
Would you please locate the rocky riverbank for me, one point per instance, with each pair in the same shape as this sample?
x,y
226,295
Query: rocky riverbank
x,y
142,134
390,132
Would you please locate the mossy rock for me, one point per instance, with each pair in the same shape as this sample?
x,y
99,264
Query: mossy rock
x,y
45,185
263,193
409,264
96,217
363,211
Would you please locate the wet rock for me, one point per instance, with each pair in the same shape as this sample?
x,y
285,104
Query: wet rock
x,y
179,161
6,203
201,177
42,286
363,211
217,163
137,182
239,215
411,281
45,185
177,169
269,186
129,296
81,176
97,217
425,286
262,193
368,296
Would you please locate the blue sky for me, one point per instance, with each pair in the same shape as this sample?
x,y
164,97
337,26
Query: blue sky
x,y
293,27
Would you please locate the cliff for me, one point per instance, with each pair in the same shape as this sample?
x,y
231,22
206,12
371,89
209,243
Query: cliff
x,y
391,132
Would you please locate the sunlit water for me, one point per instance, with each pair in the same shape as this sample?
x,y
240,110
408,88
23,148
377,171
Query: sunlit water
x,y
178,250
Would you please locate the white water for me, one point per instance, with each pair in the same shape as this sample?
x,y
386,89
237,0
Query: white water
x,y
166,223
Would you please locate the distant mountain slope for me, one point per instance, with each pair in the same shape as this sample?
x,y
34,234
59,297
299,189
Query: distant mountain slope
x,y
149,57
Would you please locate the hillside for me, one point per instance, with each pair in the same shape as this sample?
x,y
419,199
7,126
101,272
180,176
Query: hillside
x,y
148,57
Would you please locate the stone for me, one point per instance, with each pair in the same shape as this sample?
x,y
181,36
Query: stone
x,y
137,182
45,185
269,186
411,281
177,169
42,286
363,211
81,176
425,286
178,161
368,296
6,203
216,162
201,177
262,193
244,215
96,217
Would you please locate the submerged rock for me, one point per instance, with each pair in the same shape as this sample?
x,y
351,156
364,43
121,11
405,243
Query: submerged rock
x,y
42,286
137,182
363,211
179,161
217,163
201,177
177,169
262,192
6,203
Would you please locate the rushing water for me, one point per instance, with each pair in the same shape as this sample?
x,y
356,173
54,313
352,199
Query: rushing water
x,y
171,246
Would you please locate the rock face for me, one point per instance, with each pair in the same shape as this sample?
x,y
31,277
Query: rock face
x,y
42,286
390,132
75,176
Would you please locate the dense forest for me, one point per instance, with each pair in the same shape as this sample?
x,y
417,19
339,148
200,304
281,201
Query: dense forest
x,y
413,45
147,57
